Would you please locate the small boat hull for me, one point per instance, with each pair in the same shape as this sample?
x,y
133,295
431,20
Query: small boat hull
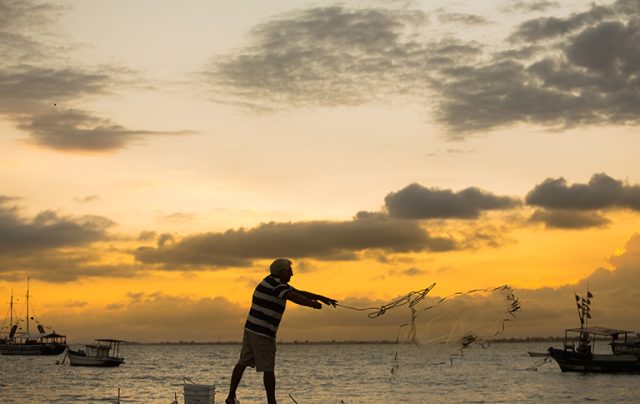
x,y
32,349
571,361
79,359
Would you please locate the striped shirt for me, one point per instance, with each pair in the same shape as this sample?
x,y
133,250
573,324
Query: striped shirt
x,y
267,306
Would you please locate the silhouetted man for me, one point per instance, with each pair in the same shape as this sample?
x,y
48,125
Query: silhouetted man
x,y
259,341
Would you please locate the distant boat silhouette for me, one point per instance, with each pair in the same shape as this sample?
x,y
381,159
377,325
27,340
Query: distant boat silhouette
x,y
625,349
30,343
104,353
624,356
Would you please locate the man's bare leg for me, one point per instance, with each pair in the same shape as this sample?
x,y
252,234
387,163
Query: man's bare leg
x,y
270,386
236,376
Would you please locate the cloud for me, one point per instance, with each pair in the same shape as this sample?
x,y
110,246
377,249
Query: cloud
x,y
418,202
35,78
557,72
87,199
464,19
178,217
582,73
5,198
63,265
18,21
47,230
551,27
608,48
562,219
396,229
580,206
26,87
327,56
76,130
627,261
413,271
75,304
602,192
147,235
54,247
322,240
529,6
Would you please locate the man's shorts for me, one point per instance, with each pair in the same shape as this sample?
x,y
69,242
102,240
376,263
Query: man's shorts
x,y
258,351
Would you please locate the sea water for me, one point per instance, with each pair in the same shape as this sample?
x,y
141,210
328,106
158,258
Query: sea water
x,y
316,373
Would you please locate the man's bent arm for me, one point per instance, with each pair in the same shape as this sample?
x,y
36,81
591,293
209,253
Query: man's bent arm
x,y
298,298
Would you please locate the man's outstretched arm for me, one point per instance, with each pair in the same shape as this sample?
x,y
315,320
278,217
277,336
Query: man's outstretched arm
x,y
312,296
298,298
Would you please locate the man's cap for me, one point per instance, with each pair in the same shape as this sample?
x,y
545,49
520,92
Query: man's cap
x,y
279,266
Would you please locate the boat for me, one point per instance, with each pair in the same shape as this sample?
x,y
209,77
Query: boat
x,y
580,353
623,358
31,343
34,344
538,354
103,353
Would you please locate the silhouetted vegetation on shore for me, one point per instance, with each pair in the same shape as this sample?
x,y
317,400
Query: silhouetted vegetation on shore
x,y
336,342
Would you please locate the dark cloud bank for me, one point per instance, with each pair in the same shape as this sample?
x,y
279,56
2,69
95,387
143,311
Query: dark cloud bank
x,y
319,239
402,226
53,247
553,71
414,219
581,205
396,229
418,202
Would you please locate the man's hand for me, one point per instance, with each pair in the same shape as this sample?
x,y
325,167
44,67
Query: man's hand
x,y
312,297
328,301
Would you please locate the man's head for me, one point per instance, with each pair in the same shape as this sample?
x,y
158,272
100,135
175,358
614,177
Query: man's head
x,y
281,268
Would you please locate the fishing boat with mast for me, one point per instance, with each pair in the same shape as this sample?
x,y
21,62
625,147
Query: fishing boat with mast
x,y
28,342
579,353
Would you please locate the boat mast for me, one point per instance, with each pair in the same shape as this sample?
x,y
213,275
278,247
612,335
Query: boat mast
x,y
28,305
11,310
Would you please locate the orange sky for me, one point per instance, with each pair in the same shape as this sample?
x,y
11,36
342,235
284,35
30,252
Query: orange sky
x,y
148,179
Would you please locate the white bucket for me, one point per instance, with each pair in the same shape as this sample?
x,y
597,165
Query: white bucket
x,y
199,394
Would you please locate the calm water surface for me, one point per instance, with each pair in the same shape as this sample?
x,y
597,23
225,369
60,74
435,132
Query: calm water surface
x,y
315,374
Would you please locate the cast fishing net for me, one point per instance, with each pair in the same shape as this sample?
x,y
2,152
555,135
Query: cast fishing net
x,y
439,330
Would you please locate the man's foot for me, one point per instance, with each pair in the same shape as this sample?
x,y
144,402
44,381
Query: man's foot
x,y
231,400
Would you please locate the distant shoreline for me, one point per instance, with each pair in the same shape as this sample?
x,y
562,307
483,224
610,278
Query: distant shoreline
x,y
346,342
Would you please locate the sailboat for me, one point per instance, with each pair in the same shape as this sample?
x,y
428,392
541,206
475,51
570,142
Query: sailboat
x,y
30,343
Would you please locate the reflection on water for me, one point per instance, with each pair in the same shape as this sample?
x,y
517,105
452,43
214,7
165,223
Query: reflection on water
x,y
313,374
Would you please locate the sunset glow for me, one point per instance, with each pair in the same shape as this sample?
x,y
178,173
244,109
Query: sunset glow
x,y
154,162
